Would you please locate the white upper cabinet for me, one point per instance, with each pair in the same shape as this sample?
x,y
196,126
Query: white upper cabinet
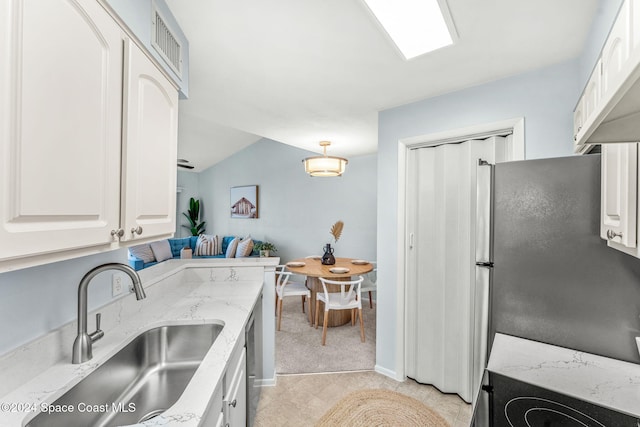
x,y
60,126
615,52
615,116
619,195
81,165
149,149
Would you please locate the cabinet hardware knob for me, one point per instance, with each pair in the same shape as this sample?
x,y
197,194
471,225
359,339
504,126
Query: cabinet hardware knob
x,y
233,403
136,230
117,233
612,234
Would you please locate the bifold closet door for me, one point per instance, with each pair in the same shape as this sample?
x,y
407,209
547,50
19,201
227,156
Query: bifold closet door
x,y
440,288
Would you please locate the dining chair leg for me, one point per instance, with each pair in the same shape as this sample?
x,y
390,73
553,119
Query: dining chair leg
x,y
303,303
279,310
370,300
353,316
361,325
324,327
317,311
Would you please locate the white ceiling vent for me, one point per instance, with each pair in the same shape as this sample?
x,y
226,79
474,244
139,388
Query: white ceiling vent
x,y
165,42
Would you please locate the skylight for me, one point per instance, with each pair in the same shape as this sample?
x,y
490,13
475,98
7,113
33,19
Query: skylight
x,y
415,26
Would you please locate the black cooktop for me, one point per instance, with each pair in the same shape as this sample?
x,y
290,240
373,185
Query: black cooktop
x,y
505,402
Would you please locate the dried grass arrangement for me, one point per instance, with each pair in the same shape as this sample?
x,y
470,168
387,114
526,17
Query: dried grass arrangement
x,y
336,230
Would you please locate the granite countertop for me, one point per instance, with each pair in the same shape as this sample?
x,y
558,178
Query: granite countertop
x,y
610,383
215,291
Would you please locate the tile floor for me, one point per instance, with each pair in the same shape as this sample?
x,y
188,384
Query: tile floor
x,y
300,400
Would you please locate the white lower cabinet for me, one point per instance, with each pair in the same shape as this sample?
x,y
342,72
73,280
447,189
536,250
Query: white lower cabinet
x,y
234,405
619,197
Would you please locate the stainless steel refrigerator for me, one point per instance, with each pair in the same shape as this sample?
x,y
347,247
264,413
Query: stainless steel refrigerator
x,y
548,275
551,278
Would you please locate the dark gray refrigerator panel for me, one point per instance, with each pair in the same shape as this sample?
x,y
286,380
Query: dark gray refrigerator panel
x,y
554,279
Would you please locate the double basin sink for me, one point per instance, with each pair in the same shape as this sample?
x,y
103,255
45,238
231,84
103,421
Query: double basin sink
x,y
139,382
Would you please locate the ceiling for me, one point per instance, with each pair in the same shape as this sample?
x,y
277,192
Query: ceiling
x,y
299,72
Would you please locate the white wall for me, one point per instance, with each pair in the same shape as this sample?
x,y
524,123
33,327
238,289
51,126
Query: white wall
x,y
296,211
545,98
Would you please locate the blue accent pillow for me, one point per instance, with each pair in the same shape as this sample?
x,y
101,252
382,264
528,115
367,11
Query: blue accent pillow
x,y
178,244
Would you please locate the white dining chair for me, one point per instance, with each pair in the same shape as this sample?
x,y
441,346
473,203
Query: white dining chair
x,y
370,283
347,299
287,288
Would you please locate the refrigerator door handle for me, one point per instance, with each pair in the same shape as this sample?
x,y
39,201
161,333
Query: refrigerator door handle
x,y
484,264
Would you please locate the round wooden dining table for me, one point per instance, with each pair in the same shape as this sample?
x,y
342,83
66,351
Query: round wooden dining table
x,y
314,269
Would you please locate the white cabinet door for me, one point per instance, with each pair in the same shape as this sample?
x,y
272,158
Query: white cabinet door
x,y
616,51
149,149
619,194
578,118
589,102
592,93
60,126
235,401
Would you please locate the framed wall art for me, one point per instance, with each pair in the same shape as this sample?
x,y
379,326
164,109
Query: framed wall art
x,y
244,201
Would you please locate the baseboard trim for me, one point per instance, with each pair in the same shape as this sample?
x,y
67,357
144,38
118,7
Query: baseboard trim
x,y
266,382
388,373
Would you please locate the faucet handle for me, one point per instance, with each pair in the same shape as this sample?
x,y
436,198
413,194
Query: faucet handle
x,y
98,333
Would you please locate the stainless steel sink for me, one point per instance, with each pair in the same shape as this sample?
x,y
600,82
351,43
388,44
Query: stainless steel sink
x,y
138,383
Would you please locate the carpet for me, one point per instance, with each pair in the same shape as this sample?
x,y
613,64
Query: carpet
x,y
378,407
299,347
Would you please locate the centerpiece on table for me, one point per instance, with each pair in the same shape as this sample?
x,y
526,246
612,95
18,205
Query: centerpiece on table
x,y
336,231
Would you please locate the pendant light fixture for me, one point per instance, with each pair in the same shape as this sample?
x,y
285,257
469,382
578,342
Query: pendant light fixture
x,y
325,165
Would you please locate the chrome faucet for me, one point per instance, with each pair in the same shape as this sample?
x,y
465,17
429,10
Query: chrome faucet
x,y
82,346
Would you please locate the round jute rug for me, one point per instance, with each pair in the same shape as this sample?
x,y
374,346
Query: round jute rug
x,y
379,407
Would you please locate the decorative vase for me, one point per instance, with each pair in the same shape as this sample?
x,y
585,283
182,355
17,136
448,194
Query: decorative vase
x,y
264,253
328,258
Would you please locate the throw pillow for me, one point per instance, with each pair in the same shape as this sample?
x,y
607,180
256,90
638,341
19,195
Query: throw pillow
x,y
142,252
245,247
208,245
161,250
231,249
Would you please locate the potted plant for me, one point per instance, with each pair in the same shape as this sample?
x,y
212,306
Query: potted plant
x,y
266,248
193,215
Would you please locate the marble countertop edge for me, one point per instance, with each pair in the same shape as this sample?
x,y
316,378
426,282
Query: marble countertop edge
x,y
610,383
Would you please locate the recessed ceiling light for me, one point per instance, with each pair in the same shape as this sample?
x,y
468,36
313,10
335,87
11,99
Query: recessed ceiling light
x,y
415,26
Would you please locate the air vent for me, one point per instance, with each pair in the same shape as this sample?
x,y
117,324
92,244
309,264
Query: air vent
x,y
165,42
